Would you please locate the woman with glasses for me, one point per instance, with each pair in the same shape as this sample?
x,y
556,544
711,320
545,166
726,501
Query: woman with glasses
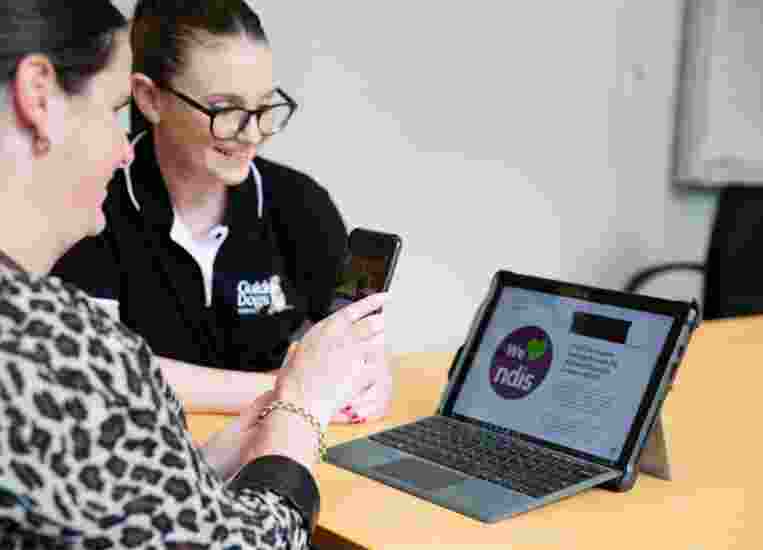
x,y
94,447
214,254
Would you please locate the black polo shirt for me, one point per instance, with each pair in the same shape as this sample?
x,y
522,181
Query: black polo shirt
x,y
284,242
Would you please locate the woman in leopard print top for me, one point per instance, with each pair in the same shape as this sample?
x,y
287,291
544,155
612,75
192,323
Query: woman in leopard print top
x,y
94,448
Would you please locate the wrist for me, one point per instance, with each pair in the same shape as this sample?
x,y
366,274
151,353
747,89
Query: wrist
x,y
280,411
321,413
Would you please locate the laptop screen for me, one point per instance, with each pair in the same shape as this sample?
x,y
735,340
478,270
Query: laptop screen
x,y
564,370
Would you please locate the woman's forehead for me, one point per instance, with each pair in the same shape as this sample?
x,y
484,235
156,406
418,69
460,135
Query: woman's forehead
x,y
115,77
230,65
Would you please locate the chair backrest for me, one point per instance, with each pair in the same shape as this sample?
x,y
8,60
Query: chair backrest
x,y
733,273
641,278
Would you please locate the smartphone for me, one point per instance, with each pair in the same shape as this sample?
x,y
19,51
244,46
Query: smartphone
x,y
369,266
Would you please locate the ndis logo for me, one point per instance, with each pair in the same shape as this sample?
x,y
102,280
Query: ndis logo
x,y
521,362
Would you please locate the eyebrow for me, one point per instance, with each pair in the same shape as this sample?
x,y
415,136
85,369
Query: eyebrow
x,y
237,99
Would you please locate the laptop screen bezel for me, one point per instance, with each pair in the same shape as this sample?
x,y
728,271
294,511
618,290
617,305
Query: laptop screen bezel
x,y
678,311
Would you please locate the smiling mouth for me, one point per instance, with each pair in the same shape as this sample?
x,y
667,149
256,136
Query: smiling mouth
x,y
231,155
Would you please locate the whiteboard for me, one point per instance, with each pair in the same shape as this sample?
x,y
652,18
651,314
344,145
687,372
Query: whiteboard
x,y
719,115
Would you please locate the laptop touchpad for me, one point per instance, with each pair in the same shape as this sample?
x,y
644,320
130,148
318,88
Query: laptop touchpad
x,y
421,474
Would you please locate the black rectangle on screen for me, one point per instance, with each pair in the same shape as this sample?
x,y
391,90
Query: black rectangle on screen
x,y
598,326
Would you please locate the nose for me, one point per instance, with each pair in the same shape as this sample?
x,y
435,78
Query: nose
x,y
250,133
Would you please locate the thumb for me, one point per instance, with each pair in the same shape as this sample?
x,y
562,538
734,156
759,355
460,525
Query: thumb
x,y
249,414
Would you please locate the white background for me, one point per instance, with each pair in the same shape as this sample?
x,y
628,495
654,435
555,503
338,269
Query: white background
x,y
721,136
532,136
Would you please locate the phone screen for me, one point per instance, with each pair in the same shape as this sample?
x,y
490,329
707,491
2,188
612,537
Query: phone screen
x,y
361,277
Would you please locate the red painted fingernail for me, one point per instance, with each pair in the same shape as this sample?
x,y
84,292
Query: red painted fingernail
x,y
346,408
359,420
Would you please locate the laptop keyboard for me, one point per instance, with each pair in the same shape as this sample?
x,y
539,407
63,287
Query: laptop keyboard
x,y
500,459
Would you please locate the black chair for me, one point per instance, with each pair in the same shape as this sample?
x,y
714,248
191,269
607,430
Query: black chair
x,y
732,272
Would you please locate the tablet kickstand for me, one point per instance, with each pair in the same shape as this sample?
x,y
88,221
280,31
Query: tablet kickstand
x,y
654,458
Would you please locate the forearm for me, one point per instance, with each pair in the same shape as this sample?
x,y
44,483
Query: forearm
x,y
286,434
205,389
246,439
226,451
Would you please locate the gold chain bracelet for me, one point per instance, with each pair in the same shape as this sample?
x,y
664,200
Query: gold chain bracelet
x,y
292,408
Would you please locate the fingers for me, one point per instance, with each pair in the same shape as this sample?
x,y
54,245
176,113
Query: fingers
x,y
357,310
376,358
351,414
369,413
250,413
348,415
372,404
372,349
375,402
367,375
342,417
369,329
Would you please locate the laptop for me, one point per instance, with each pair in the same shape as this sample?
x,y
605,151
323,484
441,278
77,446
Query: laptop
x,y
555,392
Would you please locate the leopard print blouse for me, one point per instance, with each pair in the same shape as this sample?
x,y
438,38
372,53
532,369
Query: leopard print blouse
x,y
94,448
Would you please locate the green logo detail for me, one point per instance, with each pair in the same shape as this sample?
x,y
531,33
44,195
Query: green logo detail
x,y
536,349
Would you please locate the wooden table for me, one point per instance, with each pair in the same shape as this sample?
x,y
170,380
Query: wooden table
x,y
713,434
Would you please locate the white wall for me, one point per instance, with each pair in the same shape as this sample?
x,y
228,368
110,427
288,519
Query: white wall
x,y
532,136
721,134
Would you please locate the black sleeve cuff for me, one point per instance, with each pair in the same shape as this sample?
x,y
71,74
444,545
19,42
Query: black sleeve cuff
x,y
285,477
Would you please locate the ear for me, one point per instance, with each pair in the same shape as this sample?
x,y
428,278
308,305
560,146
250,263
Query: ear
x,y
33,87
146,95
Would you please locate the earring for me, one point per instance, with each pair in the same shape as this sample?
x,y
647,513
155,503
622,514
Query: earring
x,y
41,145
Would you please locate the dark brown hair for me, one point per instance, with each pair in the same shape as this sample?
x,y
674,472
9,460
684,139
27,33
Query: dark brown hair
x,y
164,30
78,37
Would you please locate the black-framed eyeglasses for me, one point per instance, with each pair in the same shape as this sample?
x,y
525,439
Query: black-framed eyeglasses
x,y
226,123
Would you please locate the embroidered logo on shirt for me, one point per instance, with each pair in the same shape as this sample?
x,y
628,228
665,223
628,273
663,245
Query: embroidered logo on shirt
x,y
266,295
